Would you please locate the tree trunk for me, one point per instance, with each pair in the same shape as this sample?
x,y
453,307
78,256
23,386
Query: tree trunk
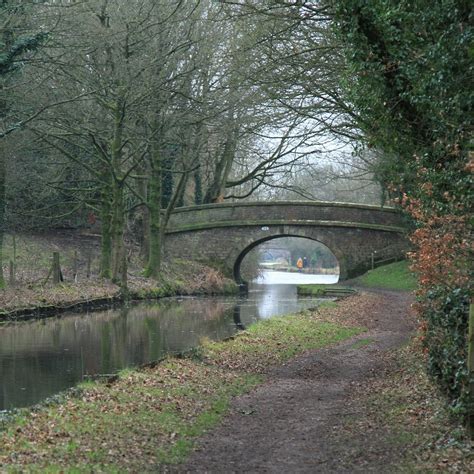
x,y
106,235
117,230
142,189
118,209
197,187
154,207
182,191
57,277
167,181
2,211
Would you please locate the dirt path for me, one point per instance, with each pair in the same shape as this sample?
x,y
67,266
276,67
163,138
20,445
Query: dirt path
x,y
298,420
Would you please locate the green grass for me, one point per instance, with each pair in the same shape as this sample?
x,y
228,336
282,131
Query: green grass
x,y
150,418
395,276
273,341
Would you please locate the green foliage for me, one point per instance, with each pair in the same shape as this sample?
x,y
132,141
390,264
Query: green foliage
x,y
410,80
9,55
394,276
14,45
409,77
446,341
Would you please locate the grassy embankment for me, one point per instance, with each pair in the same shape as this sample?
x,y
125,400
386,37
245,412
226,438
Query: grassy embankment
x,y
149,418
394,276
31,293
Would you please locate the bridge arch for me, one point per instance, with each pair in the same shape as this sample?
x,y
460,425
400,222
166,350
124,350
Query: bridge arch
x,y
236,273
220,235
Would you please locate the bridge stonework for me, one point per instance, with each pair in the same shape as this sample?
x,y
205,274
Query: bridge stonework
x,y
221,235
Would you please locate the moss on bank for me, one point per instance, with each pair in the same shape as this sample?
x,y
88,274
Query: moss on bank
x,y
148,418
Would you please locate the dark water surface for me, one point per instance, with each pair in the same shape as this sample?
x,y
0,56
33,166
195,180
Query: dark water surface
x,y
41,358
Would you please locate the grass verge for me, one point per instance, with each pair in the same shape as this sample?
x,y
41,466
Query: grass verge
x,y
407,411
149,418
394,276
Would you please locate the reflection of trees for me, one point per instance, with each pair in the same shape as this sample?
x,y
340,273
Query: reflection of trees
x,y
237,321
43,357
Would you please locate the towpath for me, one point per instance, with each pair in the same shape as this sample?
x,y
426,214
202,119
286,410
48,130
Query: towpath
x,y
304,418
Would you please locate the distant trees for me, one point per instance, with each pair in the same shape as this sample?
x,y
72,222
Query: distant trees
x,y
17,40
130,67
160,104
319,150
340,178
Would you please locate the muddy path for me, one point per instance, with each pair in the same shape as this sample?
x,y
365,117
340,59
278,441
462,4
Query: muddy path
x,y
303,418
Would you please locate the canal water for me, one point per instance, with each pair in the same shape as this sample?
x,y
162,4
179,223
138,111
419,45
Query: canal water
x,y
43,357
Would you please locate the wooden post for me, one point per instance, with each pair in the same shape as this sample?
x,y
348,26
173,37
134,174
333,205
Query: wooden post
x,y
470,372
123,279
89,263
75,265
57,277
12,273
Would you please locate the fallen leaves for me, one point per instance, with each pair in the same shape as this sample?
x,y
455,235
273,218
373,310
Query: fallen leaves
x,y
120,425
405,404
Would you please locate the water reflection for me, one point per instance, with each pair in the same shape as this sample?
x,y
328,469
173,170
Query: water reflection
x,y
41,358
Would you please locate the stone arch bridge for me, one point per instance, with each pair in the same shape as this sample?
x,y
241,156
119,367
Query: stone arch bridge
x,y
220,235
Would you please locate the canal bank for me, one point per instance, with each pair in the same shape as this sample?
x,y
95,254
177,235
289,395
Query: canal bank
x,y
362,405
42,300
146,418
307,393
40,358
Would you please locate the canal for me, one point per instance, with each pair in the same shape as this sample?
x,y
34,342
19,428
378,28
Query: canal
x,y
43,357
